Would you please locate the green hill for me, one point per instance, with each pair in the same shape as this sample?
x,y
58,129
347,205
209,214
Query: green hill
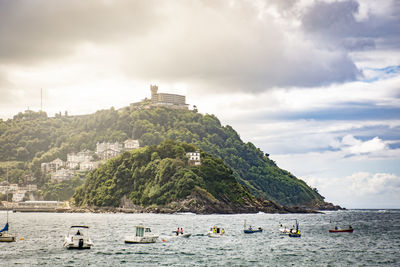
x,y
31,138
161,175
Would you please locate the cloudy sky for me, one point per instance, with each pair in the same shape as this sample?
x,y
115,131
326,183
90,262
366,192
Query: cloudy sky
x,y
316,84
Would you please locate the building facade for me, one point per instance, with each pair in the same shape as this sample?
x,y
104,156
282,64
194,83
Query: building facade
x,y
107,150
131,144
52,166
169,100
194,158
62,175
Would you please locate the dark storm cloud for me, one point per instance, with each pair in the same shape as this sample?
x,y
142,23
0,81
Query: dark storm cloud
x,y
336,24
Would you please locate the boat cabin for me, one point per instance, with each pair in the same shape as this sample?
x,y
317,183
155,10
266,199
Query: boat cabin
x,y
142,231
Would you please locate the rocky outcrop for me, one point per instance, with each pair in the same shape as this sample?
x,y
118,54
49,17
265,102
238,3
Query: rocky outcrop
x,y
202,202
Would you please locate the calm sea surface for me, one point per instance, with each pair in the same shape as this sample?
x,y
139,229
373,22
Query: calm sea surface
x,y
375,241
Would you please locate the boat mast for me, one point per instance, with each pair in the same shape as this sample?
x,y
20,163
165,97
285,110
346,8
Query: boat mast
x,y
7,191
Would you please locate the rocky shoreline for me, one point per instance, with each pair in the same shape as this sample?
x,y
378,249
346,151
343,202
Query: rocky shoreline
x,y
198,204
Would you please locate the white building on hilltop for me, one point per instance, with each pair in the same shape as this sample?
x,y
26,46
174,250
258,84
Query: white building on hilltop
x,y
194,158
167,100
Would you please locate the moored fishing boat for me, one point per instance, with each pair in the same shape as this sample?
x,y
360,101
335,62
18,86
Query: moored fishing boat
x,y
78,238
216,232
251,230
142,235
336,230
5,236
295,233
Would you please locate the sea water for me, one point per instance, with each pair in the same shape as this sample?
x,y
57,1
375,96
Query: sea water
x,y
374,242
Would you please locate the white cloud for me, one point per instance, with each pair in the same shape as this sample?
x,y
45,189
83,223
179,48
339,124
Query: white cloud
x,y
352,145
360,189
364,183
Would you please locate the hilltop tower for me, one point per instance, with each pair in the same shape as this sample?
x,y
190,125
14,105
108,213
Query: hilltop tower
x,y
154,96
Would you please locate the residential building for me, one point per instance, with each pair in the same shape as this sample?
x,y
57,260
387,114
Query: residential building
x,y
52,166
88,166
109,153
62,175
107,150
75,160
18,196
194,158
130,144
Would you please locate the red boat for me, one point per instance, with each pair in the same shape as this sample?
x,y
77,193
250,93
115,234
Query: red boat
x,y
350,230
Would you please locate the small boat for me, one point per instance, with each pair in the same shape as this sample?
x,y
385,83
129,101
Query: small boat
x,y
179,233
143,235
216,232
5,236
78,238
295,233
284,230
187,235
336,230
250,229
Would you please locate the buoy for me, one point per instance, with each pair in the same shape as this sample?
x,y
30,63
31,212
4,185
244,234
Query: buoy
x,y
163,240
21,238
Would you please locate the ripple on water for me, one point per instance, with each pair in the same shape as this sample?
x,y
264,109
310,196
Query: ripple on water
x,y
375,241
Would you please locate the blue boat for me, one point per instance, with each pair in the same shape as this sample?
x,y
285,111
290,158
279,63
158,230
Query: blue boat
x,y
295,233
250,230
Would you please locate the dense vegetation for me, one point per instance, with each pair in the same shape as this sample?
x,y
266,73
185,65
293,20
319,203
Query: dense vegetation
x,y
35,138
158,175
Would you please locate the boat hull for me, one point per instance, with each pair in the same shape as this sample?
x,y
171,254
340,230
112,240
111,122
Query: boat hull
x,y
77,243
7,238
248,231
341,231
182,235
294,235
141,240
215,235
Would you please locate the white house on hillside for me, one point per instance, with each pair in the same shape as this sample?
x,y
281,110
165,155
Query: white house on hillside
x,y
194,158
130,144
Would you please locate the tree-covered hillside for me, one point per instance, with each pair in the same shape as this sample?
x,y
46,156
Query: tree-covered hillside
x,y
159,175
35,138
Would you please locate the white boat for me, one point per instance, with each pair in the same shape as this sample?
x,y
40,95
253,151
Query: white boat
x,y
5,236
78,238
216,232
143,235
284,230
187,235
